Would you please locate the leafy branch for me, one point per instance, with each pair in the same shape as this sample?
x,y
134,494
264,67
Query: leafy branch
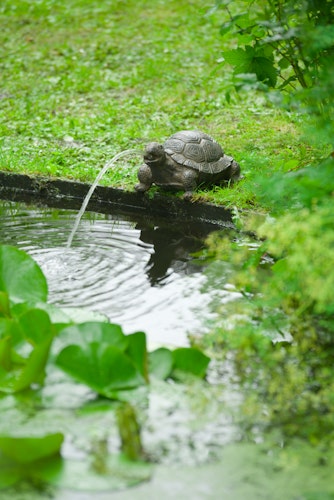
x,y
275,40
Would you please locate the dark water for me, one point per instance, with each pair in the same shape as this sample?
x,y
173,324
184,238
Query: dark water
x,y
140,272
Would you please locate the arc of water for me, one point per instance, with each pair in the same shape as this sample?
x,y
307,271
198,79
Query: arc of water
x,y
92,188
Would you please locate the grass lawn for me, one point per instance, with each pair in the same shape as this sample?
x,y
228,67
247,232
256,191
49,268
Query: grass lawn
x,y
81,81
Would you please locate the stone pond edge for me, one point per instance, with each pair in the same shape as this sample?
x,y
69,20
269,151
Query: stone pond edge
x,y
68,194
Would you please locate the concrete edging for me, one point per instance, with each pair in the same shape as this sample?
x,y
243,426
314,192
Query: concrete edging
x,y
70,194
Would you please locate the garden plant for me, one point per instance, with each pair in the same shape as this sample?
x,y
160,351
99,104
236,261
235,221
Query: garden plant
x,y
287,330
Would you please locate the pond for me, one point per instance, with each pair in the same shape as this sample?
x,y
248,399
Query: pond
x,y
147,274
142,272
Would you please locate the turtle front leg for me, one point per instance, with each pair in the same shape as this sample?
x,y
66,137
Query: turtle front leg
x,y
145,179
189,183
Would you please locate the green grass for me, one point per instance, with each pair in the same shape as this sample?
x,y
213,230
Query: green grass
x,y
81,81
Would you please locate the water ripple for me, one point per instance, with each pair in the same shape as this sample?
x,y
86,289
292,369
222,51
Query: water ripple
x,y
140,275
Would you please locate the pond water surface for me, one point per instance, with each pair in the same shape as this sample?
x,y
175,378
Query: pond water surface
x,y
138,271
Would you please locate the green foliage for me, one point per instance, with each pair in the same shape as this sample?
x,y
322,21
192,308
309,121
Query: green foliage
x,y
288,45
286,40
280,332
17,371
306,187
251,61
304,269
104,358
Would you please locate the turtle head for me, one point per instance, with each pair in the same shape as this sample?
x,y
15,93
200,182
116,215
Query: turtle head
x,y
154,154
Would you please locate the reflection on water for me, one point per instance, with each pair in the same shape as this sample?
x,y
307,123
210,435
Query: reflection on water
x,y
172,249
139,272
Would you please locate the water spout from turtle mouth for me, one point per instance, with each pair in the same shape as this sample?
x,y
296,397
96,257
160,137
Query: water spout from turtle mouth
x,y
88,196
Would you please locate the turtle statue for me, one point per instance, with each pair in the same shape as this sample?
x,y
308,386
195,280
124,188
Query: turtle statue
x,y
186,160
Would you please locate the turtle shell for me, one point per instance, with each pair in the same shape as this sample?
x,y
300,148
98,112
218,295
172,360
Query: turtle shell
x,y
196,150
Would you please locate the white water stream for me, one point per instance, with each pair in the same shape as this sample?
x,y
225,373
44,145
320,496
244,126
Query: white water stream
x,y
106,167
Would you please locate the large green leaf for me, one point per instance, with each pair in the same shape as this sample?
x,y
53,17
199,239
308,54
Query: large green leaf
x,y
38,460
102,357
21,277
33,371
165,363
253,60
104,368
239,57
24,450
